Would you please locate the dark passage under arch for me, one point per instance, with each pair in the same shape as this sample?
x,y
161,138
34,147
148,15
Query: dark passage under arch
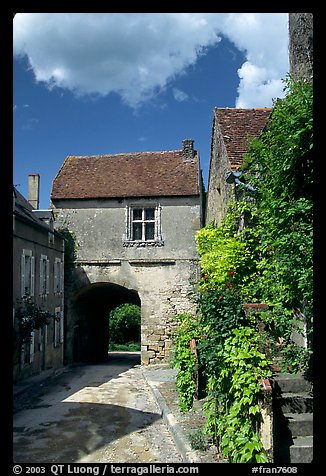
x,y
92,305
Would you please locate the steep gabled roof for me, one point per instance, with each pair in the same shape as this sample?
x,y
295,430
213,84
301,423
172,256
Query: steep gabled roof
x,y
238,126
139,174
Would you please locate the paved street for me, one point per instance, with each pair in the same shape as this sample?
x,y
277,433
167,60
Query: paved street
x,y
92,414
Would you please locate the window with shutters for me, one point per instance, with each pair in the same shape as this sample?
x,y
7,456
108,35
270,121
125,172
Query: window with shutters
x,y
27,273
58,276
44,275
143,226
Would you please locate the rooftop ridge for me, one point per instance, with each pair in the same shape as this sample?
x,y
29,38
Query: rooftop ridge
x,y
127,153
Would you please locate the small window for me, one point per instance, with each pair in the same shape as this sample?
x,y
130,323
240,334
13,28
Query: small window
x,y
143,222
143,226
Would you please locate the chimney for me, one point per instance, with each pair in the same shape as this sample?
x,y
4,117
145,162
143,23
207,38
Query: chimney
x,y
188,152
34,190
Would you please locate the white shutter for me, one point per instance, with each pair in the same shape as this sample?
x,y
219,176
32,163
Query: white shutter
x,y
61,327
22,274
61,277
32,275
47,290
55,276
41,276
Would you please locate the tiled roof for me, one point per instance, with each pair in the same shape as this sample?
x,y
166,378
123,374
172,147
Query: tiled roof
x,y
239,125
139,174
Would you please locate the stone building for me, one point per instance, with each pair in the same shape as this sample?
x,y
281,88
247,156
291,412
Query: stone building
x,y
231,133
301,45
38,259
132,220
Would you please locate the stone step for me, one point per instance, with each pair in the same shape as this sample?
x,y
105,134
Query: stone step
x,y
301,451
286,383
299,424
294,450
295,402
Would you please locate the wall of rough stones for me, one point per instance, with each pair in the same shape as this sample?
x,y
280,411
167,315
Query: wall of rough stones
x,y
220,192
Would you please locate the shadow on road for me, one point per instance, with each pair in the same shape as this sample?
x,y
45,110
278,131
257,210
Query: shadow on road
x,y
85,428
60,419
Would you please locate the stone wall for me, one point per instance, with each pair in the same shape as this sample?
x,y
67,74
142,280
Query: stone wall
x,y
301,45
161,276
219,191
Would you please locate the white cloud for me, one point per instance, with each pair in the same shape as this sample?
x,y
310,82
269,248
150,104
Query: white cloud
x,y
264,39
179,95
257,87
136,55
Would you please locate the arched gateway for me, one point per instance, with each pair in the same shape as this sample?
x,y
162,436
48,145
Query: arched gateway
x,y
90,331
132,219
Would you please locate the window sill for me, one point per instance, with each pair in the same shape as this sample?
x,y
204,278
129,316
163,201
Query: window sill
x,y
143,244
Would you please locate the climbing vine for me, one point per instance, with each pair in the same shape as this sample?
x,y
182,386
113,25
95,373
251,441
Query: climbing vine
x,y
280,165
184,359
262,252
232,406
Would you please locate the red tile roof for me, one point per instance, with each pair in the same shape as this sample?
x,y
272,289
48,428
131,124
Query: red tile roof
x,y
237,127
139,174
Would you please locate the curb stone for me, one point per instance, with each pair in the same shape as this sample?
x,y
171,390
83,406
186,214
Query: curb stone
x,y
187,453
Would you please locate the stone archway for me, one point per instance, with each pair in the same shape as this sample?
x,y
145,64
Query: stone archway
x,y
92,304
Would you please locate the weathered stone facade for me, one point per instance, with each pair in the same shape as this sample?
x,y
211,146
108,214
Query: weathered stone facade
x,y
157,274
301,45
219,191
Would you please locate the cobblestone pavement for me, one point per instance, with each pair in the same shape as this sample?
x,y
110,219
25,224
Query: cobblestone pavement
x,y
91,414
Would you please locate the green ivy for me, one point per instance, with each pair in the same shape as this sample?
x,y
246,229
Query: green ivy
x,y
262,252
279,164
184,359
232,406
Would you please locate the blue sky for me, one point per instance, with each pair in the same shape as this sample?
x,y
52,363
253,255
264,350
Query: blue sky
x,y
88,84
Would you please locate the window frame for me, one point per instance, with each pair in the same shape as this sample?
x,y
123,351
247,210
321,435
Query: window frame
x,y
129,236
143,223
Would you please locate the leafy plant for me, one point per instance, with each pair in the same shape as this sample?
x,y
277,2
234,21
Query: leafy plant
x,y
184,359
262,252
30,317
232,406
198,440
220,253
